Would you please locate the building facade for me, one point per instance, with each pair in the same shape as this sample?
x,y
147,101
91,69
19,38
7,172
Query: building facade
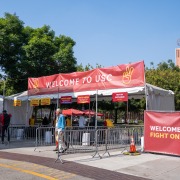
x,y
178,57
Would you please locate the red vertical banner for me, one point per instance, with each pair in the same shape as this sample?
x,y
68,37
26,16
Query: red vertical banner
x,y
83,99
162,132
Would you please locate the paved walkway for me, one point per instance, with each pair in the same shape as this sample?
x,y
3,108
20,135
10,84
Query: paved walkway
x,y
85,166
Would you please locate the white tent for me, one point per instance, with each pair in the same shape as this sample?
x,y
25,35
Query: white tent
x,y
156,99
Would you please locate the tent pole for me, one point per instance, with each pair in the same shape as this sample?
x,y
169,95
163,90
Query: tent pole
x,y
89,112
146,96
96,109
127,120
145,89
96,132
27,110
57,102
71,121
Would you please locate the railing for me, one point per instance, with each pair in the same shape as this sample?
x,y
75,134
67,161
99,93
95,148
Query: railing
x,y
21,133
89,139
45,136
78,140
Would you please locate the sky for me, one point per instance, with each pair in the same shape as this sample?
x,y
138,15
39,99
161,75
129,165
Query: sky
x,y
107,32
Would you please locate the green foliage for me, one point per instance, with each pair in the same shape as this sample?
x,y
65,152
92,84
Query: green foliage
x,y
27,52
88,67
80,68
136,105
64,57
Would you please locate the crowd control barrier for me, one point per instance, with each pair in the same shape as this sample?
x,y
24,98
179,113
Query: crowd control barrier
x,y
22,133
88,139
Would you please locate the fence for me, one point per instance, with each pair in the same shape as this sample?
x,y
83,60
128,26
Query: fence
x,y
78,140
134,115
21,133
91,139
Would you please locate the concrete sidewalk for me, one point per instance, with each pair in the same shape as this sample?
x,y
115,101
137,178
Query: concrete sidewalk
x,y
145,165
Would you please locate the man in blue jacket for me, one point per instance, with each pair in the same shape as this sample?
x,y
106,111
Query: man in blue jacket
x,y
60,125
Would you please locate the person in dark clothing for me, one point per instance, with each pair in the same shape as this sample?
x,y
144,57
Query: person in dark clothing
x,y
92,121
5,120
45,121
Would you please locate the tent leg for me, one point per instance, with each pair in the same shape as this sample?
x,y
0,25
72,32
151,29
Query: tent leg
x,y
96,152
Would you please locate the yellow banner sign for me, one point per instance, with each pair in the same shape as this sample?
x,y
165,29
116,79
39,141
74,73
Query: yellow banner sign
x,y
34,102
45,101
17,103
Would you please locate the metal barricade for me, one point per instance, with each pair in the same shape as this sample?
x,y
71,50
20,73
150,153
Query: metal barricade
x,y
22,133
117,138
45,136
80,140
87,139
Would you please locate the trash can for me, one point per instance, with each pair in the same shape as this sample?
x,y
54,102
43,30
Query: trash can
x,y
48,137
20,133
86,139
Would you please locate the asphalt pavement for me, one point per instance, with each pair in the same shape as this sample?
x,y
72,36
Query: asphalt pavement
x,y
114,164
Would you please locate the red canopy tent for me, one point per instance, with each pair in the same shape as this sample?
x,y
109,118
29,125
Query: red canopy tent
x,y
71,112
99,81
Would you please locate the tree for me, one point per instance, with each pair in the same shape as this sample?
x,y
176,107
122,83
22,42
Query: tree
x,y
64,57
87,67
39,51
27,52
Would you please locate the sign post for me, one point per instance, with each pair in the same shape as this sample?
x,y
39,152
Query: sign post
x,y
121,97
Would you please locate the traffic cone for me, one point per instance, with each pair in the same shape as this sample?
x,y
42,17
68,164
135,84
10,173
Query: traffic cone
x,y
132,146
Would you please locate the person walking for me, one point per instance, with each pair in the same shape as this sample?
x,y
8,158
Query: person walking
x,y
60,127
5,120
